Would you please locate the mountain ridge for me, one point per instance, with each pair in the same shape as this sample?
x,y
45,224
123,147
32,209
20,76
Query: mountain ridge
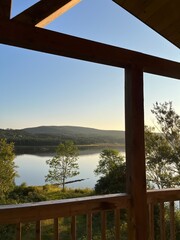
x,y
53,135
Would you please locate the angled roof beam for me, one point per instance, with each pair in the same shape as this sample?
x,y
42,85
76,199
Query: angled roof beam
x,y
5,9
20,35
44,12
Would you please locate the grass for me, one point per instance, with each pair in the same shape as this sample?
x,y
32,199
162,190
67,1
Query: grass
x,y
52,192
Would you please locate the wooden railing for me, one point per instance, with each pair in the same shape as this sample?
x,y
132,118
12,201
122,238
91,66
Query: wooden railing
x,y
97,217
163,209
88,212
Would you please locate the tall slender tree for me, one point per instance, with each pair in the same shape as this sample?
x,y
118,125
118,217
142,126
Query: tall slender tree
x,y
64,164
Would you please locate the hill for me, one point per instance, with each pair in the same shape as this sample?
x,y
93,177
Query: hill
x,y
53,135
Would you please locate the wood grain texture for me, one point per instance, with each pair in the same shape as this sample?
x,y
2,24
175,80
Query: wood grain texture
x,y
163,195
44,12
61,208
135,152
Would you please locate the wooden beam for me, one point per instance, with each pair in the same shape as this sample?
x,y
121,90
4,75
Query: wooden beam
x,y
154,14
21,35
5,9
135,152
44,12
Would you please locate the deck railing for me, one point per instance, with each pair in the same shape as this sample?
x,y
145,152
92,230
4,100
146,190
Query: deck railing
x,y
96,217
164,214
89,209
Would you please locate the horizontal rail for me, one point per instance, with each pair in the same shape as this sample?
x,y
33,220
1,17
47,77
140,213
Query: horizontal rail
x,y
61,208
163,195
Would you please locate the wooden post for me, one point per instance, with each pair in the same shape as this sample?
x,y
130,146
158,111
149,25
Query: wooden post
x,y
5,9
135,152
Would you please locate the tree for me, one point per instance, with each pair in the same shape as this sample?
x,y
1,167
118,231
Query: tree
x,y
7,168
64,164
163,148
112,169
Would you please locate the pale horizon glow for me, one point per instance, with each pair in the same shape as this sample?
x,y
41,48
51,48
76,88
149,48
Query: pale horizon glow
x,y
40,89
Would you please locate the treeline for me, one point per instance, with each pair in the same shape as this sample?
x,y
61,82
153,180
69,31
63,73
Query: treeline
x,y
34,137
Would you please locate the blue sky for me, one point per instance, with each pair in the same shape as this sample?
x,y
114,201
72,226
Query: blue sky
x,y
42,89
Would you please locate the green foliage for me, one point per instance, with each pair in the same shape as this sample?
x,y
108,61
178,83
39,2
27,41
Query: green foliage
x,y
112,169
8,232
109,160
163,149
160,172
7,167
64,164
50,136
23,194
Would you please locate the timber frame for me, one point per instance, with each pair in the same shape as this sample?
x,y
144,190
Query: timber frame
x,y
24,30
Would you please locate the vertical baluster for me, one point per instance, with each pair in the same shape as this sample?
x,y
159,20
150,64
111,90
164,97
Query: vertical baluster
x,y
162,222
38,230
89,226
18,231
151,221
172,221
73,228
56,229
103,225
117,223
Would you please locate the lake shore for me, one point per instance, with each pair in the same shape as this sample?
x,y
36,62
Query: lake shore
x,y
50,150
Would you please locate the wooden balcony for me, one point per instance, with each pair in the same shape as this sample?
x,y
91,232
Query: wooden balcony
x,y
137,215
101,217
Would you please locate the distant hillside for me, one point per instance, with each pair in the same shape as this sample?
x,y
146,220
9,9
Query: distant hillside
x,y
53,135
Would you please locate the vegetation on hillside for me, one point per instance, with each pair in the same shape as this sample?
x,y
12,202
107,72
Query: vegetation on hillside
x,y
163,171
48,136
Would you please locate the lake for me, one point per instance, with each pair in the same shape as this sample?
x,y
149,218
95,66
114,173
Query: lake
x,y
32,169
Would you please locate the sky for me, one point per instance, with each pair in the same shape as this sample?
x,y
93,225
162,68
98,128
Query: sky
x,y
41,89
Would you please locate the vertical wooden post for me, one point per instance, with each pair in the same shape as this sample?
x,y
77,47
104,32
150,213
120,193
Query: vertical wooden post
x,y
5,9
56,229
38,230
89,226
135,152
18,231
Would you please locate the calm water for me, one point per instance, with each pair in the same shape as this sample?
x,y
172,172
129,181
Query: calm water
x,y
32,169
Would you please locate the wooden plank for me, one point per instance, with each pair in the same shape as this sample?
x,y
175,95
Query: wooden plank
x,y
160,17
5,9
135,152
89,226
38,230
69,46
154,14
61,208
151,221
56,229
73,228
163,195
44,12
142,9
117,223
103,225
162,222
18,231
172,222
